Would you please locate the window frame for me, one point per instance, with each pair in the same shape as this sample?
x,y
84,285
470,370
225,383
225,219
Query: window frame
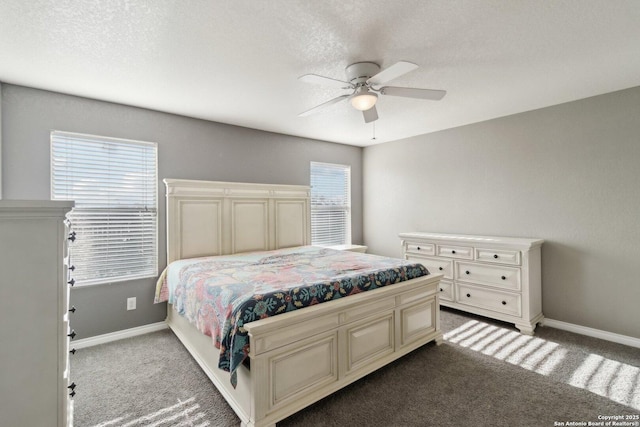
x,y
346,208
152,270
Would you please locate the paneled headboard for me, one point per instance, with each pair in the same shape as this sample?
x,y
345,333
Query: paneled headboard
x,y
221,218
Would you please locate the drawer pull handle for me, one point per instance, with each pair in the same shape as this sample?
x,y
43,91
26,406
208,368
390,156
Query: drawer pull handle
x,y
72,351
504,303
453,251
72,386
72,282
467,272
495,256
72,236
73,393
72,334
468,295
72,268
440,268
504,278
73,309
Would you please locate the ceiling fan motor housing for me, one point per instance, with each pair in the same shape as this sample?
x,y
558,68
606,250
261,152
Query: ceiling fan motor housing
x,y
360,72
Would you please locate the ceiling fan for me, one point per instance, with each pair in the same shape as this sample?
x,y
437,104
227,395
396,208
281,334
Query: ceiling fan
x,y
365,80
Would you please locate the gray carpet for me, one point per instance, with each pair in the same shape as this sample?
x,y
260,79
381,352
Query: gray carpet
x,y
485,374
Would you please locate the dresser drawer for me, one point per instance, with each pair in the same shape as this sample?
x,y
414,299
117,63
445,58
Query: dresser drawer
x,y
501,302
446,290
498,256
420,249
435,265
461,252
492,275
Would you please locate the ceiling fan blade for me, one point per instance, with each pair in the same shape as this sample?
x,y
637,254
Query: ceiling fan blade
x,y
370,115
326,81
323,105
393,72
410,92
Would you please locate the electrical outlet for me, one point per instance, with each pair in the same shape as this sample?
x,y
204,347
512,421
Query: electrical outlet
x,y
131,303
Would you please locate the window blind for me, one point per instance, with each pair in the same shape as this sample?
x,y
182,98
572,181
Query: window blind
x,y
330,204
114,185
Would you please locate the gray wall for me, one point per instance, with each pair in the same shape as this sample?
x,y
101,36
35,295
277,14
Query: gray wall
x,y
187,148
569,174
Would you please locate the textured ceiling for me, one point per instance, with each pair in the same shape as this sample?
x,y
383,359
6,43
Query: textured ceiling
x,y
238,61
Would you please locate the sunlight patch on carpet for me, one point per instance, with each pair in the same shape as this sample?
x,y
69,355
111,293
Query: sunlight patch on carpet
x,y
614,380
182,414
618,381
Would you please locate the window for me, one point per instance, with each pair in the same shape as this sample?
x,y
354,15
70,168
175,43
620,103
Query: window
x,y
114,185
330,204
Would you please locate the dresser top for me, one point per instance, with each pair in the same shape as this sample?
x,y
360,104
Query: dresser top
x,y
31,208
28,204
473,240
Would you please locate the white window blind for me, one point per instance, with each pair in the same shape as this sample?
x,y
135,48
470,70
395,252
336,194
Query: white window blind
x,y
330,204
114,185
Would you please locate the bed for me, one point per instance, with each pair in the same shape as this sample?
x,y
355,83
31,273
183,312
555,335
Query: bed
x,y
298,357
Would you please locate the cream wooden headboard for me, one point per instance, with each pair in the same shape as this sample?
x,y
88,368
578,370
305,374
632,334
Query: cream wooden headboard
x,y
221,218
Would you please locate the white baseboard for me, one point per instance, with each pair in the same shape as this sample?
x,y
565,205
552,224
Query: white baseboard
x,y
591,332
118,335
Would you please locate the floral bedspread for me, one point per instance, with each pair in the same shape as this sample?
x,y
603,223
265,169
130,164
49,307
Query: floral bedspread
x,y
219,295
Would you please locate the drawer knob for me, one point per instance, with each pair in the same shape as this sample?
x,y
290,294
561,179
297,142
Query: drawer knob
x,y
495,256
468,295
441,290
72,386
72,268
504,303
453,251
72,351
73,393
467,272
72,236
72,309
418,247
504,278
72,334
72,282
440,268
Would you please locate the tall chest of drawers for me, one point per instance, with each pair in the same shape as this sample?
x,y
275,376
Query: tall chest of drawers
x,y
496,277
34,297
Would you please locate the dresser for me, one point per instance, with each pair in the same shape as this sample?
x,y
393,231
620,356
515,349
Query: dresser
x,y
496,277
34,295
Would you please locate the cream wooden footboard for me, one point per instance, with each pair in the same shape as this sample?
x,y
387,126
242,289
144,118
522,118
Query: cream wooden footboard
x,y
302,356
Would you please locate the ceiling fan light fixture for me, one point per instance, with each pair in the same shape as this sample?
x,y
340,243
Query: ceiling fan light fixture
x,y
363,99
